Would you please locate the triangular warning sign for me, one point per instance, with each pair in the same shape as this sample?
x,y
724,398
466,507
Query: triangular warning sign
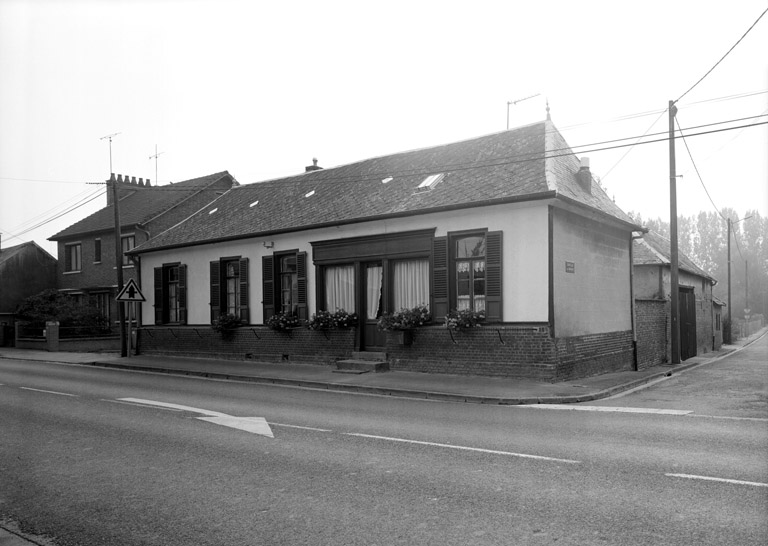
x,y
130,292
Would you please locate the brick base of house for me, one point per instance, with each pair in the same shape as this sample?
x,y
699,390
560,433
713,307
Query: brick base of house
x,y
652,325
503,351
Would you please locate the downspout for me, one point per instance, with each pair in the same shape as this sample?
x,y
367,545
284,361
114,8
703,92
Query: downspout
x,y
632,297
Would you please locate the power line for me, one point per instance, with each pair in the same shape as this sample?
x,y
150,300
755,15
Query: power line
x,y
696,168
724,56
97,194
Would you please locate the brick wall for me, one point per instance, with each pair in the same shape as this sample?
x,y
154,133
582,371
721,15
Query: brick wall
x,y
501,351
250,343
652,326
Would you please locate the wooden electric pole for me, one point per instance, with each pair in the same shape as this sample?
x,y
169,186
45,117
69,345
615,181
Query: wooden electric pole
x,y
673,254
119,265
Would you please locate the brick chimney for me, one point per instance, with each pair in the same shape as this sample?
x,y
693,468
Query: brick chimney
x,y
584,175
125,186
313,167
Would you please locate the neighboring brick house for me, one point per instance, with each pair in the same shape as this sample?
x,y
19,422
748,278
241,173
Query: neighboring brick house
x,y
510,223
25,270
700,315
86,249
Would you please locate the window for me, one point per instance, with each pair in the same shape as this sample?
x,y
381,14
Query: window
x,y
171,294
97,251
410,283
73,257
340,288
229,288
284,278
717,322
128,243
102,301
466,273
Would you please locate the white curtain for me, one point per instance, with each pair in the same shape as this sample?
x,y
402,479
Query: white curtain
x,y
410,283
373,292
340,288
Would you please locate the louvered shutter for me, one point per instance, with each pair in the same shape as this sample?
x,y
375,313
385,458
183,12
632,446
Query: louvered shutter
x,y
440,299
158,295
301,270
493,276
244,298
182,294
215,281
268,286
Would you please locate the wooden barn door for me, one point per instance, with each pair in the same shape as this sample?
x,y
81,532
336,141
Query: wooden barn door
x,y
687,308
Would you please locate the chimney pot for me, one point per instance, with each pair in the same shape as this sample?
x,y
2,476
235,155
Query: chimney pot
x,y
119,177
313,167
585,175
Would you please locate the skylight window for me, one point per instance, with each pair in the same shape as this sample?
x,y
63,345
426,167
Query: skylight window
x,y
310,194
212,211
387,180
253,204
430,182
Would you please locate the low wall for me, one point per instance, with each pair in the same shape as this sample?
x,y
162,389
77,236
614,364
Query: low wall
x,y
516,351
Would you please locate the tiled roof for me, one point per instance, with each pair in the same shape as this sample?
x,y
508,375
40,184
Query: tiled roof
x,y
497,168
141,205
654,249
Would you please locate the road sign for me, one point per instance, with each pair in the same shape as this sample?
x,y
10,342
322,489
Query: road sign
x,y
130,292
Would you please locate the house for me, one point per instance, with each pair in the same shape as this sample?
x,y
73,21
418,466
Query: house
x,y
700,316
511,224
25,270
86,249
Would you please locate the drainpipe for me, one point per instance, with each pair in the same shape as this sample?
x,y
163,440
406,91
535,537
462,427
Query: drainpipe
x,y
632,296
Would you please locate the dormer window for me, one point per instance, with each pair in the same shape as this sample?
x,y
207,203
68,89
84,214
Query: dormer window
x,y
430,182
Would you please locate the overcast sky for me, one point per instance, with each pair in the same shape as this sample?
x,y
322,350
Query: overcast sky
x,y
260,88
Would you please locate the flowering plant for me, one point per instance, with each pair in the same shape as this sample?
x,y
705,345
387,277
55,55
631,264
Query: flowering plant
x,y
283,321
325,320
466,318
405,319
226,324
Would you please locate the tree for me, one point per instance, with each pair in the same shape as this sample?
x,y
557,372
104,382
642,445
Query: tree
x,y
52,305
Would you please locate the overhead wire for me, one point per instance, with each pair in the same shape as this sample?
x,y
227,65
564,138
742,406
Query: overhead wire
x,y
696,168
74,207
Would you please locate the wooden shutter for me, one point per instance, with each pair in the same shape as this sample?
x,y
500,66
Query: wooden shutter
x,y
182,294
440,299
158,295
301,270
493,276
215,281
268,286
243,303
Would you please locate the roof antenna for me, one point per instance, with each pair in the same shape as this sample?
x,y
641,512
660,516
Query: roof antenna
x,y
157,181
110,149
548,116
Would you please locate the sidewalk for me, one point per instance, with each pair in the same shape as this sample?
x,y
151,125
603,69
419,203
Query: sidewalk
x,y
458,388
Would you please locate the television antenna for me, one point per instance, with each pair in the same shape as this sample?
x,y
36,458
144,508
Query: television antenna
x,y
110,148
514,102
157,182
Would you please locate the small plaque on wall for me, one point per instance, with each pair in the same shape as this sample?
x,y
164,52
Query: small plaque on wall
x,y
570,267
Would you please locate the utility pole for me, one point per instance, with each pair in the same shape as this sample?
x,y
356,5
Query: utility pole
x,y
119,266
673,257
730,324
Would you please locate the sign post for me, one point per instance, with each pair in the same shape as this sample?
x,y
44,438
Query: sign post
x,y
130,294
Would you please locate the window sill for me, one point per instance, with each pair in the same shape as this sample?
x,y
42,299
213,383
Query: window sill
x,y
73,272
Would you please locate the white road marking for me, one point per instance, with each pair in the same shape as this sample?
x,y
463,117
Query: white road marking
x,y
139,405
570,407
49,392
298,426
711,479
464,448
255,425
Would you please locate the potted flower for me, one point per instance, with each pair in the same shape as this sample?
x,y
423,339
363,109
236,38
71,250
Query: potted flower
x,y
404,321
226,325
325,320
283,322
464,319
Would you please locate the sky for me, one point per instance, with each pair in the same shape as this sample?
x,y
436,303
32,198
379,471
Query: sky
x,y
261,88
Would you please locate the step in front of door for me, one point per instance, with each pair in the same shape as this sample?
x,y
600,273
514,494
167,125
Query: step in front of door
x,y
358,365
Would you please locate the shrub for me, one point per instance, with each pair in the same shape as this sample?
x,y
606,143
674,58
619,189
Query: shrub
x,y
226,324
52,305
325,320
405,319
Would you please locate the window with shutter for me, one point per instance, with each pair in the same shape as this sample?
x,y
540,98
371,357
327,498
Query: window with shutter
x,y
215,289
158,285
440,289
268,286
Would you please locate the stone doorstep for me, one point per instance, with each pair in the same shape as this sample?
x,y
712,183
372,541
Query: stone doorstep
x,y
363,362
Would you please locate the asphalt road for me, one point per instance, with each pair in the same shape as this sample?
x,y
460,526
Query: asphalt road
x,y
105,457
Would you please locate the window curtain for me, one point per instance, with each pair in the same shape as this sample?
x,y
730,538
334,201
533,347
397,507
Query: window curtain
x,y
373,292
340,288
410,283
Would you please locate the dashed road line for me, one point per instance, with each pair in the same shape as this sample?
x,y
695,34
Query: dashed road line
x,y
713,479
464,448
49,392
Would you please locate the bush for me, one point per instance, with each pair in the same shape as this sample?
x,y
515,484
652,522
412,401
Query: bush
x,y
405,319
52,305
226,324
